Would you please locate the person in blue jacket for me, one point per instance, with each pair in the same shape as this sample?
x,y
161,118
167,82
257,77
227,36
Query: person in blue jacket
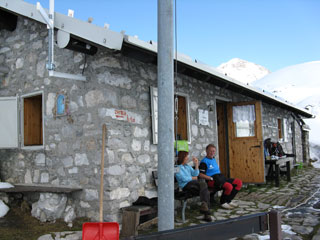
x,y
187,178
210,171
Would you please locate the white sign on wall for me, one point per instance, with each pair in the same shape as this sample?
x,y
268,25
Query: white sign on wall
x,y
203,117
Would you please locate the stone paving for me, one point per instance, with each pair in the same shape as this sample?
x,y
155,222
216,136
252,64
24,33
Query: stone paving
x,y
298,202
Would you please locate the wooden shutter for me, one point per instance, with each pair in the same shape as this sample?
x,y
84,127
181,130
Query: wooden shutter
x,y
9,122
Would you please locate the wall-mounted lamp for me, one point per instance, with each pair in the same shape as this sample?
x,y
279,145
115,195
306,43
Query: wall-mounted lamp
x,y
210,108
65,40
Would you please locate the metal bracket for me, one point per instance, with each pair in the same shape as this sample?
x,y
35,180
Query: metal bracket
x,y
49,19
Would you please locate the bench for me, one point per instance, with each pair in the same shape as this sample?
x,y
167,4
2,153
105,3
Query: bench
x,y
181,195
28,192
274,169
137,217
26,187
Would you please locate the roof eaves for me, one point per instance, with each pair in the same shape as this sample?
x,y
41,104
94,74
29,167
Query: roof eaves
x,y
114,40
93,33
152,46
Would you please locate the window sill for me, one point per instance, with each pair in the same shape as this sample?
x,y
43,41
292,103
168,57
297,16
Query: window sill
x,y
40,147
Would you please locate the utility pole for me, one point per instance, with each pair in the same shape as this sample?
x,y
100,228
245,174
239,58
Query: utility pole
x,y
165,116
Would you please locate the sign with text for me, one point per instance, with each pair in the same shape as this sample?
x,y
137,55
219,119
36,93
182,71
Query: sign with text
x,y
203,117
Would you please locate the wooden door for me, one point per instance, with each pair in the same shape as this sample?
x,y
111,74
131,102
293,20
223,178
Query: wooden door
x,y
245,143
222,138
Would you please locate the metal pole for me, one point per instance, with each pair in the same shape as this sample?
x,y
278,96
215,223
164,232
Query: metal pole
x,y
166,116
275,225
51,37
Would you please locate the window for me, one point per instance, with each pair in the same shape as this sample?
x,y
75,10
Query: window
x,y
244,129
32,120
244,119
21,125
282,129
181,118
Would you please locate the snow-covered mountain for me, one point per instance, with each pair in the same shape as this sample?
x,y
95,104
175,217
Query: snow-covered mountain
x,y
243,70
294,83
299,84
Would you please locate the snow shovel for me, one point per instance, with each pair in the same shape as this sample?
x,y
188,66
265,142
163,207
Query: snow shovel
x,y
101,230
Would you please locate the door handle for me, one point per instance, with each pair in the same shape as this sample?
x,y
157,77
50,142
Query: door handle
x,y
256,146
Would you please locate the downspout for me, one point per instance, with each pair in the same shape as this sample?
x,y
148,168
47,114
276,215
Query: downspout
x,y
50,64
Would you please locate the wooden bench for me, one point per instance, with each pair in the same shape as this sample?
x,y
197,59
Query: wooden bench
x,y
181,195
26,187
137,217
274,169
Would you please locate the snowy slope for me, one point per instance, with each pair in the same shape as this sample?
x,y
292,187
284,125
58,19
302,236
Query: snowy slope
x,y
299,84
243,70
294,83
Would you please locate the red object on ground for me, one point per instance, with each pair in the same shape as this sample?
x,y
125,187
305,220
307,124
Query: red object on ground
x,y
100,231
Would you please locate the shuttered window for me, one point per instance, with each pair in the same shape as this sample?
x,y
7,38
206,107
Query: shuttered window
x,y
181,118
21,121
32,121
283,129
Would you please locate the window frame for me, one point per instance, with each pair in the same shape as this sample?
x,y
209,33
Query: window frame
x,y
154,113
282,129
186,96
234,132
21,132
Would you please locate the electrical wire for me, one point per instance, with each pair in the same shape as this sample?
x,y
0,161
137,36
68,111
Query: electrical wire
x,y
300,204
176,71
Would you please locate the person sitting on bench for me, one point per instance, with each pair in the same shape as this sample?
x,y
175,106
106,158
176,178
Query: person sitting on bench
x,y
209,170
187,178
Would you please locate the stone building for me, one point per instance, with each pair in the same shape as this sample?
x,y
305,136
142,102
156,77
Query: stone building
x,y
50,127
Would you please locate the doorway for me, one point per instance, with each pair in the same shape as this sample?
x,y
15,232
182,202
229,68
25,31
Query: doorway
x,y
240,143
222,125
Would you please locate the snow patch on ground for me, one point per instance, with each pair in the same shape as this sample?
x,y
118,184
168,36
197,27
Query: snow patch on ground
x,y
315,154
6,185
277,207
3,209
263,237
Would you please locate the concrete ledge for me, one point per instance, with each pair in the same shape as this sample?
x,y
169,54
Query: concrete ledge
x,y
25,187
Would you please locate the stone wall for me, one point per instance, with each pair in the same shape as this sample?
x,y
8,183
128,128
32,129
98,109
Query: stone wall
x,y
305,146
72,150
270,116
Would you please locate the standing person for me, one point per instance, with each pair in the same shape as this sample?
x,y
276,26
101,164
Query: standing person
x,y
187,178
210,171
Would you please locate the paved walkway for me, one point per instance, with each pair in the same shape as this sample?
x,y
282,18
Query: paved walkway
x,y
298,201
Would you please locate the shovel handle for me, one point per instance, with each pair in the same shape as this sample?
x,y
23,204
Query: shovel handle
x,y
104,129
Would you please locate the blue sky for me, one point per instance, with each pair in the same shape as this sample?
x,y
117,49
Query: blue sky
x,y
272,33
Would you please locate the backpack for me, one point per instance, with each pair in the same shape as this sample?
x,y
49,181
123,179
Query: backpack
x,y
273,148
